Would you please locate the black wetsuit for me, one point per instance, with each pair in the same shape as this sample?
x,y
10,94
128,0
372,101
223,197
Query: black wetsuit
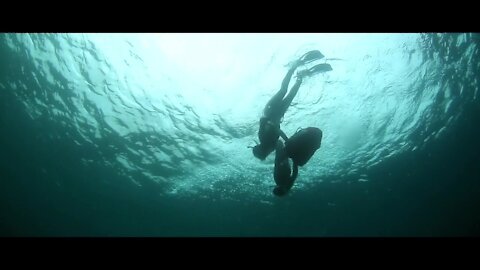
x,y
269,130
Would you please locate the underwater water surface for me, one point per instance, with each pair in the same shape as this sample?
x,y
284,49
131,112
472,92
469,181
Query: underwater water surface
x,y
148,135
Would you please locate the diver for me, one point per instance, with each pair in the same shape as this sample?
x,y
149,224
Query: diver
x,y
269,131
300,148
282,172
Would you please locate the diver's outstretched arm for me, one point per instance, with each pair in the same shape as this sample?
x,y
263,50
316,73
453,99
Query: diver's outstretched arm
x,y
283,135
295,172
294,175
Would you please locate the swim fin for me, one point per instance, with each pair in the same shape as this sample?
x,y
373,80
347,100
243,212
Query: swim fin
x,y
320,68
306,58
311,56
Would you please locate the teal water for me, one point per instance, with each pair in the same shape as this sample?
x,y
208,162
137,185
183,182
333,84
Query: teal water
x,y
147,135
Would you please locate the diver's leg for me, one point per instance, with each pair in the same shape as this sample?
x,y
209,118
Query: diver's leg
x,y
293,92
287,79
276,100
306,58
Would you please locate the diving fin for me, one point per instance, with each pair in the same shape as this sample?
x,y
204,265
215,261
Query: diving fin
x,y
311,56
306,58
320,68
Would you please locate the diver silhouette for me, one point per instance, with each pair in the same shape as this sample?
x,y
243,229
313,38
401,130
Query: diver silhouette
x,y
269,131
304,143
